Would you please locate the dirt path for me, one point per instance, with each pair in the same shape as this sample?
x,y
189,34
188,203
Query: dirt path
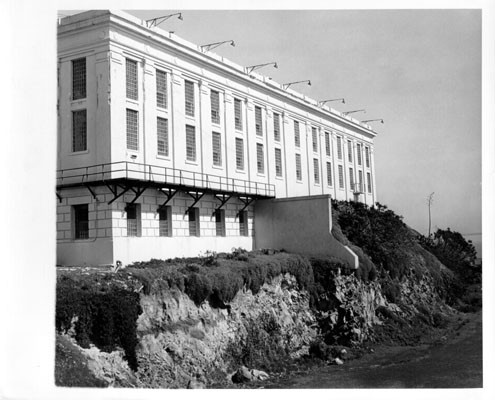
x,y
454,362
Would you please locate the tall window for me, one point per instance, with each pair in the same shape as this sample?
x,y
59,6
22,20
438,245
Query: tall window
x,y
351,178
258,120
327,143
217,148
243,223
189,94
190,143
316,170
298,167
132,129
276,127
79,131
238,114
339,147
161,89
260,159
220,222
341,177
297,134
278,162
194,228
329,174
131,85
360,181
349,151
132,212
81,225
79,79
314,133
359,156
368,177
239,154
215,106
367,155
162,136
165,221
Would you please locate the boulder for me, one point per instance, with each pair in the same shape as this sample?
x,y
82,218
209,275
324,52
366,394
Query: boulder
x,y
244,374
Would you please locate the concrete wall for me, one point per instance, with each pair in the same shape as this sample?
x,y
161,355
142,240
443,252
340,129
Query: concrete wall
x,y
300,225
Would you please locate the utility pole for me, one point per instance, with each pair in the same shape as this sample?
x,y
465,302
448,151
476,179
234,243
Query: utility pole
x,y
429,200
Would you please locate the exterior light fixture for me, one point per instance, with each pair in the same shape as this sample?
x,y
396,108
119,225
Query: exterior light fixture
x,y
285,86
354,111
371,120
253,67
156,21
322,103
210,46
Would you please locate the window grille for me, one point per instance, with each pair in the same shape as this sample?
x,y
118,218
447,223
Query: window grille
x,y
162,136
314,132
165,228
132,129
190,143
239,154
367,155
349,151
238,114
329,174
243,223
189,92
79,79
298,167
360,176
341,177
297,134
258,120
217,148
278,162
194,221
79,131
215,106
359,157
368,176
132,219
276,127
316,170
260,158
81,224
161,89
327,144
220,222
339,147
131,85
351,178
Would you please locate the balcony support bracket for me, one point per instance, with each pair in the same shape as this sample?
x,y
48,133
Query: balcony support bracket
x,y
169,193
196,195
91,191
115,192
223,199
59,197
247,202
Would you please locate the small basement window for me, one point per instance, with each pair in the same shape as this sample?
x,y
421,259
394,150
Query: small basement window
x,y
81,225
133,219
220,222
194,228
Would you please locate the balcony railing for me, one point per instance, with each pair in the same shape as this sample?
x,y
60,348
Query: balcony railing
x,y
161,177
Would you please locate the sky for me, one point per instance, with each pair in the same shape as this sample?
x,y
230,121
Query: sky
x,y
419,70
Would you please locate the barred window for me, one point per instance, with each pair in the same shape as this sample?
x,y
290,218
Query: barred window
x,y
162,136
161,89
190,143
339,147
351,178
327,143
368,177
359,156
194,228
297,134
367,155
132,219
215,106
131,85
81,224
220,222
258,120
217,148
79,79
341,177
316,170
165,221
243,223
189,92
239,154
238,114
276,127
349,151
298,167
132,129
278,162
360,176
260,158
79,131
314,133
329,174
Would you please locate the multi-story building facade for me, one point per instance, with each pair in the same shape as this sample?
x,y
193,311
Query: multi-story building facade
x,y
165,150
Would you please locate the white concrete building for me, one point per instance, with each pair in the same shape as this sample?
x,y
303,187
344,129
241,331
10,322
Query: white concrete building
x,y
165,150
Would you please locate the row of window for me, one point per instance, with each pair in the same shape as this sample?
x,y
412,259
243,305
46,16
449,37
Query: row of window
x,y
133,213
